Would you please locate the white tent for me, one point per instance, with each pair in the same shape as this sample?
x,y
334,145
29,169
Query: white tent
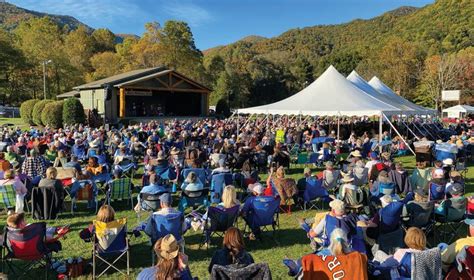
x,y
357,80
458,111
377,84
330,95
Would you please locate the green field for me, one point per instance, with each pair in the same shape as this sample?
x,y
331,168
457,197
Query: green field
x,y
290,241
15,122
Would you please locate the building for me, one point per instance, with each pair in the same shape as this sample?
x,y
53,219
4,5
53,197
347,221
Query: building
x,y
145,94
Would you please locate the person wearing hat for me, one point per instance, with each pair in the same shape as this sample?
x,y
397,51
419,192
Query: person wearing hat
x,y
417,213
437,185
349,192
172,264
454,177
330,176
454,208
34,167
447,167
383,185
360,173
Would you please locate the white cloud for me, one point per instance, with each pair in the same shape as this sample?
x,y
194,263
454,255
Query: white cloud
x,y
84,10
188,12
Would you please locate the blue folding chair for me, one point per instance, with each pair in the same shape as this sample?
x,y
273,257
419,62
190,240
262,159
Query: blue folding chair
x,y
161,225
218,220
313,158
79,152
313,193
386,188
218,182
200,172
436,191
390,217
263,212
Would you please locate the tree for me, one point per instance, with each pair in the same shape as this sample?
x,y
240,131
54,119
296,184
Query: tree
x,y
38,110
302,73
441,72
105,64
222,108
73,112
26,111
104,40
79,47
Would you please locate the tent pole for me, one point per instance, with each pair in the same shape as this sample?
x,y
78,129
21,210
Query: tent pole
x,y
398,133
408,129
380,131
338,126
268,121
238,125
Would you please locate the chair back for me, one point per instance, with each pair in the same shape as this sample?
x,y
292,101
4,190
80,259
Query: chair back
x,y
263,210
419,216
167,224
314,189
386,188
7,196
302,158
313,158
222,218
110,237
437,191
86,191
348,266
254,271
120,188
166,173
46,203
218,182
390,216
200,172
27,243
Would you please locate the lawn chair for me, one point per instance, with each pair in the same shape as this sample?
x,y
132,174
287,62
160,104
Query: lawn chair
x,y
28,245
218,221
46,203
218,182
110,244
450,226
161,225
436,192
264,212
127,169
194,199
461,166
200,172
386,188
120,189
412,267
302,158
255,271
86,192
313,193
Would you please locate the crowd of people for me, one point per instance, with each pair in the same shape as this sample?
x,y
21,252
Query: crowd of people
x,y
379,212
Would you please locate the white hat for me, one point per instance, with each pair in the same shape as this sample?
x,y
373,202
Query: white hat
x,y
438,173
337,205
257,187
386,200
448,161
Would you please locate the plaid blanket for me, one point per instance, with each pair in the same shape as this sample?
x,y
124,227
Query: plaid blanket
x,y
8,196
120,188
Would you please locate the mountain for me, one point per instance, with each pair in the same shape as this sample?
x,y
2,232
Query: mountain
x,y
11,16
444,26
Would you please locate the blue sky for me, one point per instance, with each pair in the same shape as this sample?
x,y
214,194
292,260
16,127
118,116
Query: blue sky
x,y
217,22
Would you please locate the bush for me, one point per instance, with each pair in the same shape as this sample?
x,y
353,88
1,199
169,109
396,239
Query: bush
x,y
222,108
38,109
52,114
26,110
73,112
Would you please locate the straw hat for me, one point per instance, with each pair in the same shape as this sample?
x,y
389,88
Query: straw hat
x,y
347,178
356,153
337,205
168,247
448,161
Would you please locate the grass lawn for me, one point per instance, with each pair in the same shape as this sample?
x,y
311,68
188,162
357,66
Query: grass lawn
x,y
290,241
15,121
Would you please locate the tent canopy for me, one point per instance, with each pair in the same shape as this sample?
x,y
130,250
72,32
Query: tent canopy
x,y
460,108
405,108
377,84
329,95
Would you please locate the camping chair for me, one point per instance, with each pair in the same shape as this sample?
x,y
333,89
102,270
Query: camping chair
x,y
46,203
200,172
127,169
449,227
264,212
390,233
313,158
412,265
218,220
461,166
194,199
163,225
313,193
436,192
386,188
302,158
464,268
420,218
255,271
86,192
110,244
28,245
218,182
119,189
150,202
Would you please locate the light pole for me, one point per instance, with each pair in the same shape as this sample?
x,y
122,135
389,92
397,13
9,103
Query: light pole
x,y
44,75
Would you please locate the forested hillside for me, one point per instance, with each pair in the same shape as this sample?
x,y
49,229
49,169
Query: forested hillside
x,y
417,52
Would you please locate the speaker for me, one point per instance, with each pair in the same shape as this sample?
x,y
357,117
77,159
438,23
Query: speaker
x,y
108,92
